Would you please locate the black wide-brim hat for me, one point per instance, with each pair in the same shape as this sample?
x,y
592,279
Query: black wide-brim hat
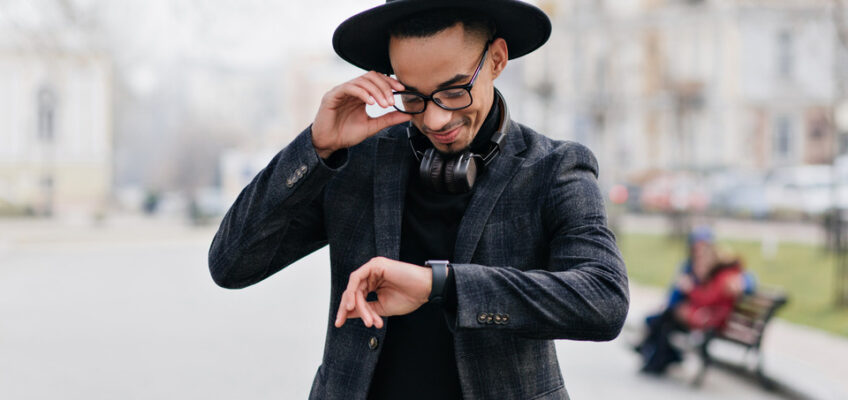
x,y
363,39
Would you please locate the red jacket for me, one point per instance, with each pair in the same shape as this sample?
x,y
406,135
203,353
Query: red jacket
x,y
710,302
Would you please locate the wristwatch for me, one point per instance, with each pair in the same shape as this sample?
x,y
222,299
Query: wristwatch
x,y
440,275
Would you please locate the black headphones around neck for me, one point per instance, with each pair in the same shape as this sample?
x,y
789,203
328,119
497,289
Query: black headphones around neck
x,y
455,174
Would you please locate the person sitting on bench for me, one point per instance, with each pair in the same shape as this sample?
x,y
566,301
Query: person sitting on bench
x,y
701,300
747,284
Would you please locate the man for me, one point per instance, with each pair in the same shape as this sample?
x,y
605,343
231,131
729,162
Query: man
x,y
461,243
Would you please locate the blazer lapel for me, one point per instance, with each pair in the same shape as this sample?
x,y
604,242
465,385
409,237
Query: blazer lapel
x,y
487,190
391,172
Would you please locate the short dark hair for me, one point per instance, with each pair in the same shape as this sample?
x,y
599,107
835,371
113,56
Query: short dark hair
x,y
431,22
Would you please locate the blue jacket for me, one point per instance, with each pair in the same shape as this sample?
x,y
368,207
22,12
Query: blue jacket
x,y
533,248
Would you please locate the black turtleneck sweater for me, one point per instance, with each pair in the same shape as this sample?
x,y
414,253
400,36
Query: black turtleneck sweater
x,y
418,359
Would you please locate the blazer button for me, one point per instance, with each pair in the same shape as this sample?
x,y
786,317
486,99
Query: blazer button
x,y
373,343
289,183
505,318
498,319
490,318
482,318
303,169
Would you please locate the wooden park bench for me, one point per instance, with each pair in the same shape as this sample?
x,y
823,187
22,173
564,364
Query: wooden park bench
x,y
744,327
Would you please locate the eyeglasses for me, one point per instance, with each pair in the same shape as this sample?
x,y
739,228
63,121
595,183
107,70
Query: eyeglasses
x,y
451,98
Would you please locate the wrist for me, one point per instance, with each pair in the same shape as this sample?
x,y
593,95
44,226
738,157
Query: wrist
x,y
323,152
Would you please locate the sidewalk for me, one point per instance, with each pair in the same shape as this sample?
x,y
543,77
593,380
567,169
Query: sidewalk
x,y
801,360
116,231
133,299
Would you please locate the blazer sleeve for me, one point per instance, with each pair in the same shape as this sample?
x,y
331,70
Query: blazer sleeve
x,y
581,294
276,219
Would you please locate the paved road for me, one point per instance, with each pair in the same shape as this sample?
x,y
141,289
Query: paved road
x,y
115,315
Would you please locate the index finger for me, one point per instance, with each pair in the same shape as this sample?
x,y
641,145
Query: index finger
x,y
347,303
344,310
395,84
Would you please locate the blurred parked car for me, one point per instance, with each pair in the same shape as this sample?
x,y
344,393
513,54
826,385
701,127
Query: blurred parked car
x,y
804,190
674,192
206,205
627,195
738,193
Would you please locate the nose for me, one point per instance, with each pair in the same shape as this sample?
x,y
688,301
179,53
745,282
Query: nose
x,y
435,117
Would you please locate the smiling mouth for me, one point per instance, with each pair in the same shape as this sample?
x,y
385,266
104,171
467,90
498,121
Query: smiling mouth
x,y
447,137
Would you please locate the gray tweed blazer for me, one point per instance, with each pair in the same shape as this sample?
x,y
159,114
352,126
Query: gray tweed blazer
x,y
534,260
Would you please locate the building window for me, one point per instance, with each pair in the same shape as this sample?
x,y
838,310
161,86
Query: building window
x,y
601,75
783,138
46,113
843,143
785,54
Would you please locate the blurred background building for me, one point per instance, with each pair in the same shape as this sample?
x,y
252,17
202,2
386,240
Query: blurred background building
x,y
56,120
697,84
735,96
731,106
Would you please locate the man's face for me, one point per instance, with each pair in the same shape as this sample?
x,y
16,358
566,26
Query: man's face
x,y
448,58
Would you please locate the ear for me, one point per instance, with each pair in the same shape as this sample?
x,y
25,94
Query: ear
x,y
500,54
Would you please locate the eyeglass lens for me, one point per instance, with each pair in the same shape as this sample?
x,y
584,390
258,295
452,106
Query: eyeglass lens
x,y
449,99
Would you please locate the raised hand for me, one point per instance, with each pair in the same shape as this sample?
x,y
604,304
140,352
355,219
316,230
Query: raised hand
x,y
735,285
685,283
342,122
401,288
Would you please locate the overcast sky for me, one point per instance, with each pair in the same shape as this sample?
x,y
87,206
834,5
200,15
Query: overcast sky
x,y
240,33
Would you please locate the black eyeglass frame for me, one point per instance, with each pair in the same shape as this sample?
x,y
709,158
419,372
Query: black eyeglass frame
x,y
432,95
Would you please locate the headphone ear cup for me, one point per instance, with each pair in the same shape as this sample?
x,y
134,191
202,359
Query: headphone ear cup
x,y
460,173
450,164
431,169
471,172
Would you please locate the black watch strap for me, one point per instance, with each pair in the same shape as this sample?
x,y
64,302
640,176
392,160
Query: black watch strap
x,y
440,274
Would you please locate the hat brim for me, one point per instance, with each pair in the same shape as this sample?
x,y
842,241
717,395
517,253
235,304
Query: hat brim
x,y
363,39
